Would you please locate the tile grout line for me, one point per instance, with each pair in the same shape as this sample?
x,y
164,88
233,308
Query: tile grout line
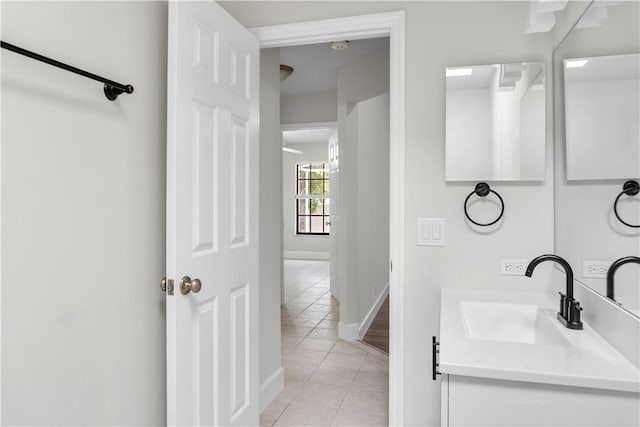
x,y
347,393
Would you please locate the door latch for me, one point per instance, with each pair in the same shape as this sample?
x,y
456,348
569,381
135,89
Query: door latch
x,y
166,285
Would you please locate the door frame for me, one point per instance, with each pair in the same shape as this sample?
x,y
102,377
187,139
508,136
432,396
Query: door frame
x,y
390,24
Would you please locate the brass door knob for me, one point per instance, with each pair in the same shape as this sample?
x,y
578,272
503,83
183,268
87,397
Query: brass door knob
x,y
187,285
163,284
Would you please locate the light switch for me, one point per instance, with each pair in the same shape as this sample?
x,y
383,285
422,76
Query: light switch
x,y
425,229
430,232
435,231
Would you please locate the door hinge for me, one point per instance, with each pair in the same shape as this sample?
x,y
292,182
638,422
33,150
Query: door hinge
x,y
435,351
391,266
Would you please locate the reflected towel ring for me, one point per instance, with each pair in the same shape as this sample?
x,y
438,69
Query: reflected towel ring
x,y
630,188
482,190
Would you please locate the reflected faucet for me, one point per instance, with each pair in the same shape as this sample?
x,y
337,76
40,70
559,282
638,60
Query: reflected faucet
x,y
569,314
612,271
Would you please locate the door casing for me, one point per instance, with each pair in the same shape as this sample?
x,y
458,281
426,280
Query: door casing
x,y
390,24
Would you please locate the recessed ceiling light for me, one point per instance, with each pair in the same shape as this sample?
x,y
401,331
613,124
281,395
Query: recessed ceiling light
x,y
340,45
458,72
291,150
575,63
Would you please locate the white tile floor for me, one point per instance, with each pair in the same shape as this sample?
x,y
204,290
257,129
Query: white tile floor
x,y
328,381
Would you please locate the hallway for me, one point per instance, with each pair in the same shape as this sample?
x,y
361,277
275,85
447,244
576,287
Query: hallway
x,y
328,381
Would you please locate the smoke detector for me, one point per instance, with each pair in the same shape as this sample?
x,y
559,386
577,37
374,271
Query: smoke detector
x,y
340,45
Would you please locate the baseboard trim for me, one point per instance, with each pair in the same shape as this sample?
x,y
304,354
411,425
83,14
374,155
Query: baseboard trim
x,y
348,331
371,315
306,255
271,387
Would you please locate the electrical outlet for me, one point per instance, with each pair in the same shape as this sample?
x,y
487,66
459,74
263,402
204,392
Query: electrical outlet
x,y
595,269
513,267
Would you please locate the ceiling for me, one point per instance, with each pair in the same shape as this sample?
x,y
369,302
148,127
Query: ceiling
x,y
316,66
305,136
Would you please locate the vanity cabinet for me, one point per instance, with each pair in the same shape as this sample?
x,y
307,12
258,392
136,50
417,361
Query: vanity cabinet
x,y
506,361
473,401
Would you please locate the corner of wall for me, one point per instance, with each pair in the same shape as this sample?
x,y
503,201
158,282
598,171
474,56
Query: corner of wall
x,y
271,387
373,311
566,19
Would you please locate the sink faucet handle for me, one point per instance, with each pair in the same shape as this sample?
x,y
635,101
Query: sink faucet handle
x,y
563,305
574,314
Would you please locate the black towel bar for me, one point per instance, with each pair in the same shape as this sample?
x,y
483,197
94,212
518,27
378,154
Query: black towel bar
x,y
111,89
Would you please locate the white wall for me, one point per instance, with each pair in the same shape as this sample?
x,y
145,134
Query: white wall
x,y
441,34
364,78
270,269
372,204
300,246
83,216
316,107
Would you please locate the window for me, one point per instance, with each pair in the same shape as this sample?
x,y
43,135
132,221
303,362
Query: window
x,y
312,198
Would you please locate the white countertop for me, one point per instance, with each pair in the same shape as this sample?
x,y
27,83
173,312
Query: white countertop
x,y
586,361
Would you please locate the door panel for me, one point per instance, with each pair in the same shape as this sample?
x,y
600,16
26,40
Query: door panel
x,y
239,350
239,183
204,189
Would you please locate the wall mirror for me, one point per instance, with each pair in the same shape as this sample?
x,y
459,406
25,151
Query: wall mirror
x,y
602,116
495,122
596,90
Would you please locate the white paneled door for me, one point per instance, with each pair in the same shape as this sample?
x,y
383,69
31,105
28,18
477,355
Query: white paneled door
x,y
212,202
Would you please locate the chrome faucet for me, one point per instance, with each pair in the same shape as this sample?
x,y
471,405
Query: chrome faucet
x,y
569,314
612,271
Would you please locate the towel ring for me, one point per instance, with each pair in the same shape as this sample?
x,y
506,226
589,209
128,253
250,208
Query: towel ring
x,y
630,188
482,190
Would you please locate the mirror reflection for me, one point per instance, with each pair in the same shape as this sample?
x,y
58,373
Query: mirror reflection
x,y
495,122
602,116
595,150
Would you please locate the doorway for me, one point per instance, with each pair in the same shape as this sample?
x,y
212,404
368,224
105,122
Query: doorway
x,y
378,25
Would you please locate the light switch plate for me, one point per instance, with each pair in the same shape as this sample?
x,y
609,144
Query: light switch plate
x,y
431,232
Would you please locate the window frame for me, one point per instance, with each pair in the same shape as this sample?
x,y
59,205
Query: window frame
x,y
298,197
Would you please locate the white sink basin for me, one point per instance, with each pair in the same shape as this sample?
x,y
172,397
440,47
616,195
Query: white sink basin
x,y
515,336
509,322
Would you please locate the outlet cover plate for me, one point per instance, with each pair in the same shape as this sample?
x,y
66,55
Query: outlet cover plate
x,y
595,269
513,266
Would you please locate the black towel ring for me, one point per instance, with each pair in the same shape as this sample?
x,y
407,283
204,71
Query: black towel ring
x,y
482,190
630,188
